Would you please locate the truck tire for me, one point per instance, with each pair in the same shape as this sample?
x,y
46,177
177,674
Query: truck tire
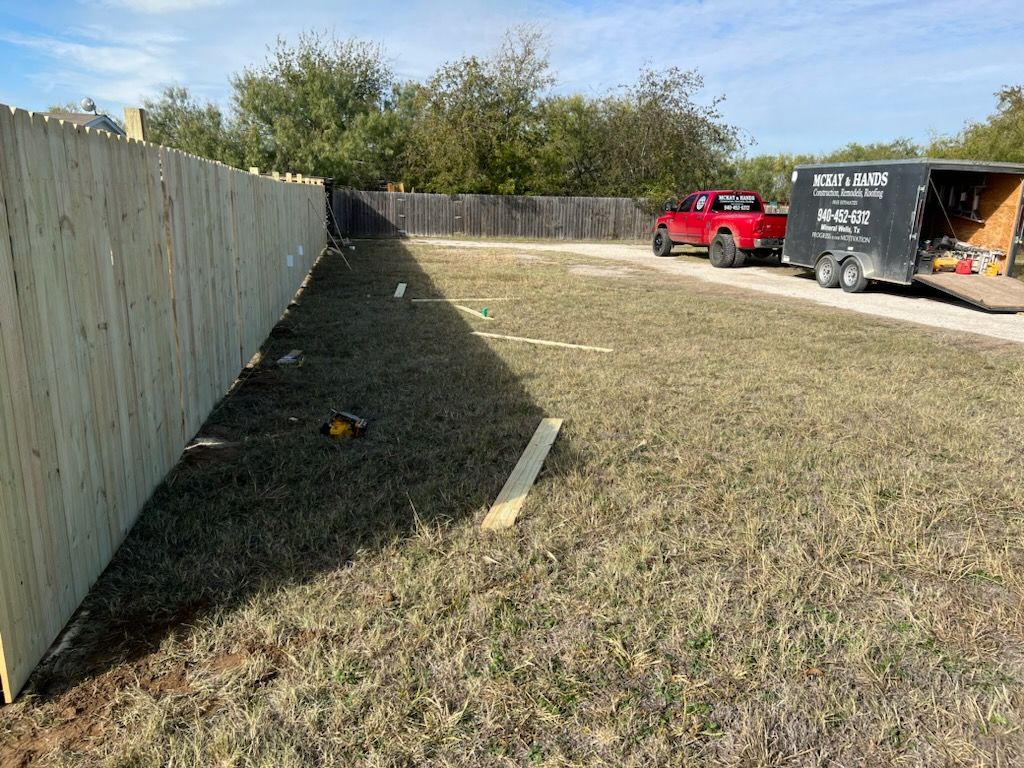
x,y
722,251
826,271
741,258
851,276
661,243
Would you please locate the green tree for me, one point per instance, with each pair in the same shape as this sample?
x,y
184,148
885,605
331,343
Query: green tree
x,y
177,120
771,175
477,124
999,138
567,160
897,149
322,107
656,141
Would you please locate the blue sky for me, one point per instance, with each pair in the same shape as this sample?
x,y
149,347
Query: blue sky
x,y
798,76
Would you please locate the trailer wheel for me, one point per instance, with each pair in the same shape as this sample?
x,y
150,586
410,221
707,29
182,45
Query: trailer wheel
x,y
851,276
722,251
826,271
661,243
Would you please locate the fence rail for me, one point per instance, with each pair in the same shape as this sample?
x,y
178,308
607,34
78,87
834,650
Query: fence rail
x,y
135,283
375,214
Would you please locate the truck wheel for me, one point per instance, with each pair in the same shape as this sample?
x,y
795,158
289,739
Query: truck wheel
x,y
741,258
722,251
826,271
661,243
851,276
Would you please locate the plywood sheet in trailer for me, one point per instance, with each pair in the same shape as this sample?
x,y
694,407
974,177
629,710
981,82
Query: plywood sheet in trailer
x,y
997,207
996,294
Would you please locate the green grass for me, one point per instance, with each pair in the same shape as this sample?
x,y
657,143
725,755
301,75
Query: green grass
x,y
769,534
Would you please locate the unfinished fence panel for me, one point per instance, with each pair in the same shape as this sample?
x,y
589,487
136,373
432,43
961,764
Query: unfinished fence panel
x,y
135,282
388,214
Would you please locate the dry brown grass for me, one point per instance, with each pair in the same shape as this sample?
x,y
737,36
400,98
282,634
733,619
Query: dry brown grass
x,y
769,534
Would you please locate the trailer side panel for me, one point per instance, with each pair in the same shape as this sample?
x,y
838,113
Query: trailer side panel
x,y
869,210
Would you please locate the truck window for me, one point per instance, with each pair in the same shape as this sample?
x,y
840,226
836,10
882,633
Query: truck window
x,y
687,204
701,202
736,201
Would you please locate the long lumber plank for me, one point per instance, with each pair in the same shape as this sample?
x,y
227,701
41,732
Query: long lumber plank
x,y
456,301
542,342
473,312
510,500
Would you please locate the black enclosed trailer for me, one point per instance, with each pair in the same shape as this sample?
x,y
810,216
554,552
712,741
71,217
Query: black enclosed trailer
x,y
954,225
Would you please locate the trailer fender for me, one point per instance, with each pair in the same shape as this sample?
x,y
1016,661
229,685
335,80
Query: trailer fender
x,y
869,265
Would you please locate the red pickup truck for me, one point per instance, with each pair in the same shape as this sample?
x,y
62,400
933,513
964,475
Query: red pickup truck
x,y
731,223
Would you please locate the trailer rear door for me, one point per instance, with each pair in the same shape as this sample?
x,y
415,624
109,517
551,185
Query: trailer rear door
x,y
996,294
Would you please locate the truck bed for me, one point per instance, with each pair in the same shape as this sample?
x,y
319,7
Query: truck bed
x,y
996,294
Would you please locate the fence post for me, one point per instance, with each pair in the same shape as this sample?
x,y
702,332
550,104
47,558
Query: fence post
x,y
135,123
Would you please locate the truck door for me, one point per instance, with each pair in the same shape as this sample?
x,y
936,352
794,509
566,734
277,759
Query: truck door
x,y
695,220
677,223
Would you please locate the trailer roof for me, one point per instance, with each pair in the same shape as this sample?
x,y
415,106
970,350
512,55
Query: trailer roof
x,y
950,165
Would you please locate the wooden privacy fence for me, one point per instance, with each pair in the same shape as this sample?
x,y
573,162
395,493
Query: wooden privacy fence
x,y
135,283
374,214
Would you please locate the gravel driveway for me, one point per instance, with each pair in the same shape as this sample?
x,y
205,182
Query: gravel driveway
x,y
912,307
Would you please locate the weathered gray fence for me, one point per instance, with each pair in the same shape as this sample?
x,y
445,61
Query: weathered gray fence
x,y
376,214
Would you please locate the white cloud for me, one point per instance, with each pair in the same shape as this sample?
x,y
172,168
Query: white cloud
x,y
805,76
113,72
163,6
103,59
798,76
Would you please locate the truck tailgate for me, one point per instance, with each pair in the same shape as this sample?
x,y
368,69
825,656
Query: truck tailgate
x,y
774,225
996,294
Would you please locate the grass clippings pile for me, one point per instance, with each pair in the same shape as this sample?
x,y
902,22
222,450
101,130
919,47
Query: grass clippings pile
x,y
768,534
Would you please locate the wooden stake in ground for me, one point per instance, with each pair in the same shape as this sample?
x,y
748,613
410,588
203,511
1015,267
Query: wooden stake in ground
x,y
473,312
400,291
506,507
542,342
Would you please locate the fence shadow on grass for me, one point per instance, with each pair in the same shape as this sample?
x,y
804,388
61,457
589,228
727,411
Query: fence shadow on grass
x,y
448,420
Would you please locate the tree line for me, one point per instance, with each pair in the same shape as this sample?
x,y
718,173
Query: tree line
x,y
334,108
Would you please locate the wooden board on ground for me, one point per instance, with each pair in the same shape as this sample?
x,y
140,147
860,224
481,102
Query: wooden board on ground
x,y
510,500
542,342
456,301
996,294
473,312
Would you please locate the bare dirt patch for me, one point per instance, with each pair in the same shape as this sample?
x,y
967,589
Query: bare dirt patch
x,y
590,270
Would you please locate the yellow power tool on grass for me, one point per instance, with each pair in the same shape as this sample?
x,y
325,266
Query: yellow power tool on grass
x,y
343,425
